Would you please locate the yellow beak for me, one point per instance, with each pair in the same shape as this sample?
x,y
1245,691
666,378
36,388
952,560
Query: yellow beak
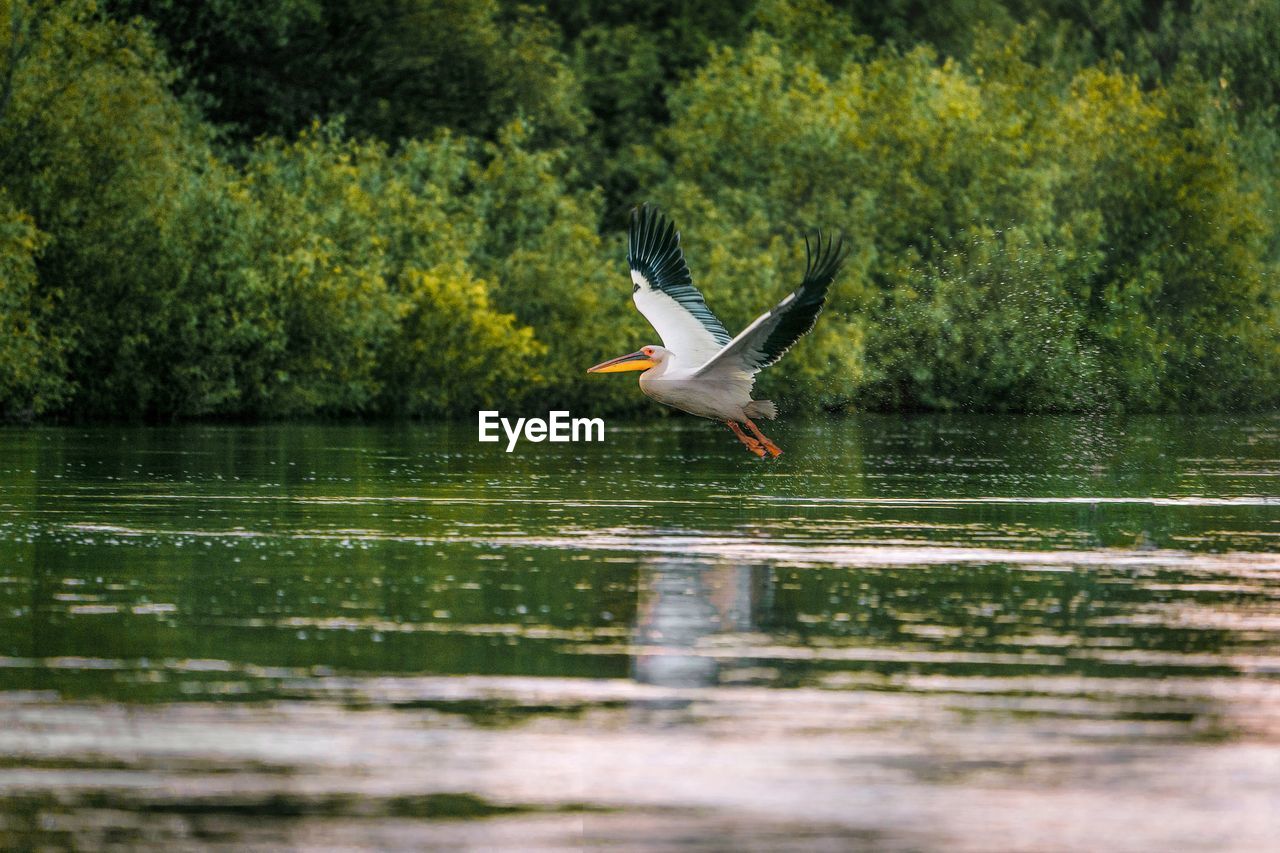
x,y
631,361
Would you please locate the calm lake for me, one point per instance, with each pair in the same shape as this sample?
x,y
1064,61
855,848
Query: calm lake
x,y
929,633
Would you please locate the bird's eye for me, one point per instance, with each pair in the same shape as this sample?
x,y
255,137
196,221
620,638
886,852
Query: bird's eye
x,y
648,350
635,287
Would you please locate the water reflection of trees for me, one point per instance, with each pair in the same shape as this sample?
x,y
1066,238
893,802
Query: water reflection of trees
x,y
436,587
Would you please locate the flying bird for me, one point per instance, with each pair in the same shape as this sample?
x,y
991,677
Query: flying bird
x,y
700,369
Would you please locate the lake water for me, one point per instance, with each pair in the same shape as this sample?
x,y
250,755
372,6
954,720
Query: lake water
x,y
933,633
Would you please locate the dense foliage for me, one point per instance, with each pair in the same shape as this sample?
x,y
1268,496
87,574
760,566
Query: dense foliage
x,y
407,207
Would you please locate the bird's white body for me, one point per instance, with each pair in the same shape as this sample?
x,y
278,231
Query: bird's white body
x,y
694,378
722,395
701,369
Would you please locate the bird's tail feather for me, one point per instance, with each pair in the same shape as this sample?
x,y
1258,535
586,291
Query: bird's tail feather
x,y
761,409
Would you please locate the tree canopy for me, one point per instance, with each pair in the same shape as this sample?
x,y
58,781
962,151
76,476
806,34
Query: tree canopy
x,y
415,208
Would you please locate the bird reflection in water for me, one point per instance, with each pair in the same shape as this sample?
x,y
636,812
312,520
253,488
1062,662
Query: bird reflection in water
x,y
682,604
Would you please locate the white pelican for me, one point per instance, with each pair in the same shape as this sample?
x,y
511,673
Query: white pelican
x,y
699,369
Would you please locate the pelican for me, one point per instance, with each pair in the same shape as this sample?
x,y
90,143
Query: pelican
x,y
699,369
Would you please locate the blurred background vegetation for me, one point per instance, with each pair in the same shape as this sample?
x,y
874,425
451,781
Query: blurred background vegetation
x,y
280,208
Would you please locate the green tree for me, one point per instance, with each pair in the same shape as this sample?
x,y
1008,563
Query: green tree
x,y
31,368
96,150
1050,206
395,69
1020,241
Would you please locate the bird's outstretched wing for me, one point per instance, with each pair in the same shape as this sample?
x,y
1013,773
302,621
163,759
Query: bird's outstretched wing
x,y
773,332
663,289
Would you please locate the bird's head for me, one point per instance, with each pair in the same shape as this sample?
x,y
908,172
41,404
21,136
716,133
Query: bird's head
x,y
642,359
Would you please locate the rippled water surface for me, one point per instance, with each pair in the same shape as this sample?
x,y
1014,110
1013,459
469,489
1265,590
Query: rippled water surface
x,y
906,634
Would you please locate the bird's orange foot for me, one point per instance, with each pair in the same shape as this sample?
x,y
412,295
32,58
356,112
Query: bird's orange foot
x,y
752,445
773,449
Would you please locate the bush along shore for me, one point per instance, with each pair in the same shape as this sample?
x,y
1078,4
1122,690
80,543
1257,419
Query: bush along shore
x,y
409,208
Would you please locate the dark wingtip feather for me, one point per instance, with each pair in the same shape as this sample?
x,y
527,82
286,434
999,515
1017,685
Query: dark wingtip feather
x,y
823,258
822,265
653,250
